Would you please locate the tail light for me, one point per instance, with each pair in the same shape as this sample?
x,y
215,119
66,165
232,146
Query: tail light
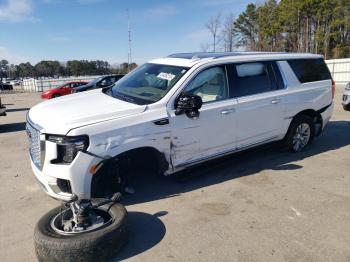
x,y
333,89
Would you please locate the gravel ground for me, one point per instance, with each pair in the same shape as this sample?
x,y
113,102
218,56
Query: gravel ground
x,y
262,205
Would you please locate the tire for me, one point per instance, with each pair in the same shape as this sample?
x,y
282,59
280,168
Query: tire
x,y
99,245
346,107
56,95
292,132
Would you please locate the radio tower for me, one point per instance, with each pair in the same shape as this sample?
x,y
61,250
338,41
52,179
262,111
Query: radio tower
x,y
129,34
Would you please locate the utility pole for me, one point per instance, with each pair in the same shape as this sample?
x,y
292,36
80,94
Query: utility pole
x,y
129,35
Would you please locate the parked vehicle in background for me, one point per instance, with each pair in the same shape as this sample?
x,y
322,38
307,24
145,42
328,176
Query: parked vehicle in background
x,y
100,82
14,82
5,86
2,109
63,90
346,97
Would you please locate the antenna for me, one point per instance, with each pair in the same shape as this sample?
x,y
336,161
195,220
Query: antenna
x,y
129,36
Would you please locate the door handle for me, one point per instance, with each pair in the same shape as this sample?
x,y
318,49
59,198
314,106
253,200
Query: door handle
x,y
275,101
227,111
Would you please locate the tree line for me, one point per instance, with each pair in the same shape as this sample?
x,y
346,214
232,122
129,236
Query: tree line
x,y
315,26
48,68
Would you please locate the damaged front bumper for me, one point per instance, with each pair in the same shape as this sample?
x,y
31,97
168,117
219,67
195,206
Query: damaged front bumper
x,y
62,181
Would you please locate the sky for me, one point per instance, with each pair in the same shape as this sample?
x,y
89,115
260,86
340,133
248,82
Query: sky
x,y
35,30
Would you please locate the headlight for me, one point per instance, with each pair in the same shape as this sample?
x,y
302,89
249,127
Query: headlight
x,y
347,87
68,147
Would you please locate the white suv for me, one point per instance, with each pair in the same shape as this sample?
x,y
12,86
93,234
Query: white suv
x,y
175,112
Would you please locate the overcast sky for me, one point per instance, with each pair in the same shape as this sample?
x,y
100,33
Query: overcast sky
x,y
34,30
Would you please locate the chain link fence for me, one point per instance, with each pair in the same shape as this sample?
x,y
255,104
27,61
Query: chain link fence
x,y
40,85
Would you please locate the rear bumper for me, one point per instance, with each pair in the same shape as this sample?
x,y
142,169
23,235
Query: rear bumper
x,y
45,96
326,115
2,111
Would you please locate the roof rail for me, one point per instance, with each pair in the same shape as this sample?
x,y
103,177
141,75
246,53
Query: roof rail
x,y
202,55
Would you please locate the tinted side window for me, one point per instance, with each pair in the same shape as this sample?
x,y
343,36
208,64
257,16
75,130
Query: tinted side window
x,y
252,78
310,70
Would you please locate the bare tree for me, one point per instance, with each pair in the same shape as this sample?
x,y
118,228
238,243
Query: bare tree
x,y
228,33
205,47
213,26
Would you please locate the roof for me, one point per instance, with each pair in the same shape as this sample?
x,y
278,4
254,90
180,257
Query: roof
x,y
192,58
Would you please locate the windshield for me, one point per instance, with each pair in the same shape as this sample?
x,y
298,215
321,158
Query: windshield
x,y
95,80
147,84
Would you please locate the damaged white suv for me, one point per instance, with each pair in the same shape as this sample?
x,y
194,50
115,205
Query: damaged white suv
x,y
172,113
175,112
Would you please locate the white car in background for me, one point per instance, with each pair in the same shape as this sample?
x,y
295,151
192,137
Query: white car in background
x,y
346,97
165,116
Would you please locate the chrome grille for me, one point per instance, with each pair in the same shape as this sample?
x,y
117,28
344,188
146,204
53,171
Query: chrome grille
x,y
35,145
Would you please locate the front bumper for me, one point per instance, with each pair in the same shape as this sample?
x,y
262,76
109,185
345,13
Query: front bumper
x,y
76,174
45,96
346,99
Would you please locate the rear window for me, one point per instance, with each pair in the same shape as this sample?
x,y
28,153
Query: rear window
x,y
310,70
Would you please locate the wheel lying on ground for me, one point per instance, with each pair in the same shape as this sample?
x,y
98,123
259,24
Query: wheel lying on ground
x,y
99,244
300,134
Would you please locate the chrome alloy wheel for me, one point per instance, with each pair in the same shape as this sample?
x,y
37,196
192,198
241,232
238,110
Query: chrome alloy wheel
x,y
64,223
301,137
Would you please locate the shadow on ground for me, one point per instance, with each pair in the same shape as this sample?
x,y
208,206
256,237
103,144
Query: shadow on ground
x,y
269,157
14,127
145,231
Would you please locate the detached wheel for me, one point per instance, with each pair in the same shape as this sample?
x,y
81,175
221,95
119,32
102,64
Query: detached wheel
x,y
100,242
300,134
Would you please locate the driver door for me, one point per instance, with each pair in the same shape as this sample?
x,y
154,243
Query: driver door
x,y
213,131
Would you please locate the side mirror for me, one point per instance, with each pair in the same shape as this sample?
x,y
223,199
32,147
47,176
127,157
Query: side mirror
x,y
188,104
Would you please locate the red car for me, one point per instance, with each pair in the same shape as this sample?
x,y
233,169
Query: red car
x,y
63,90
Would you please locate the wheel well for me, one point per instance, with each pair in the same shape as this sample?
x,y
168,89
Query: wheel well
x,y
115,172
317,118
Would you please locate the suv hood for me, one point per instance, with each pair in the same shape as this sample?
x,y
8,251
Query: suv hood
x,y
60,115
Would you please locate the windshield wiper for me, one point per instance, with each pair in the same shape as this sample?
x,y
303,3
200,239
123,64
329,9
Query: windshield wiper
x,y
125,98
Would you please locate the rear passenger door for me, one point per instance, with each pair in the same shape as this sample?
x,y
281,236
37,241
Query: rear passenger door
x,y
260,109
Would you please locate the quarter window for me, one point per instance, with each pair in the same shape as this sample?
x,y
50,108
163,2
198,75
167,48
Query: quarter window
x,y
310,70
210,85
252,78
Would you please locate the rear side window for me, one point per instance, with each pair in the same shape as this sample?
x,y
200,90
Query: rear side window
x,y
253,78
310,70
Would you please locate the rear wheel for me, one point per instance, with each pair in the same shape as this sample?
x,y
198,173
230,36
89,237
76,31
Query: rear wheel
x,y
300,134
100,242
